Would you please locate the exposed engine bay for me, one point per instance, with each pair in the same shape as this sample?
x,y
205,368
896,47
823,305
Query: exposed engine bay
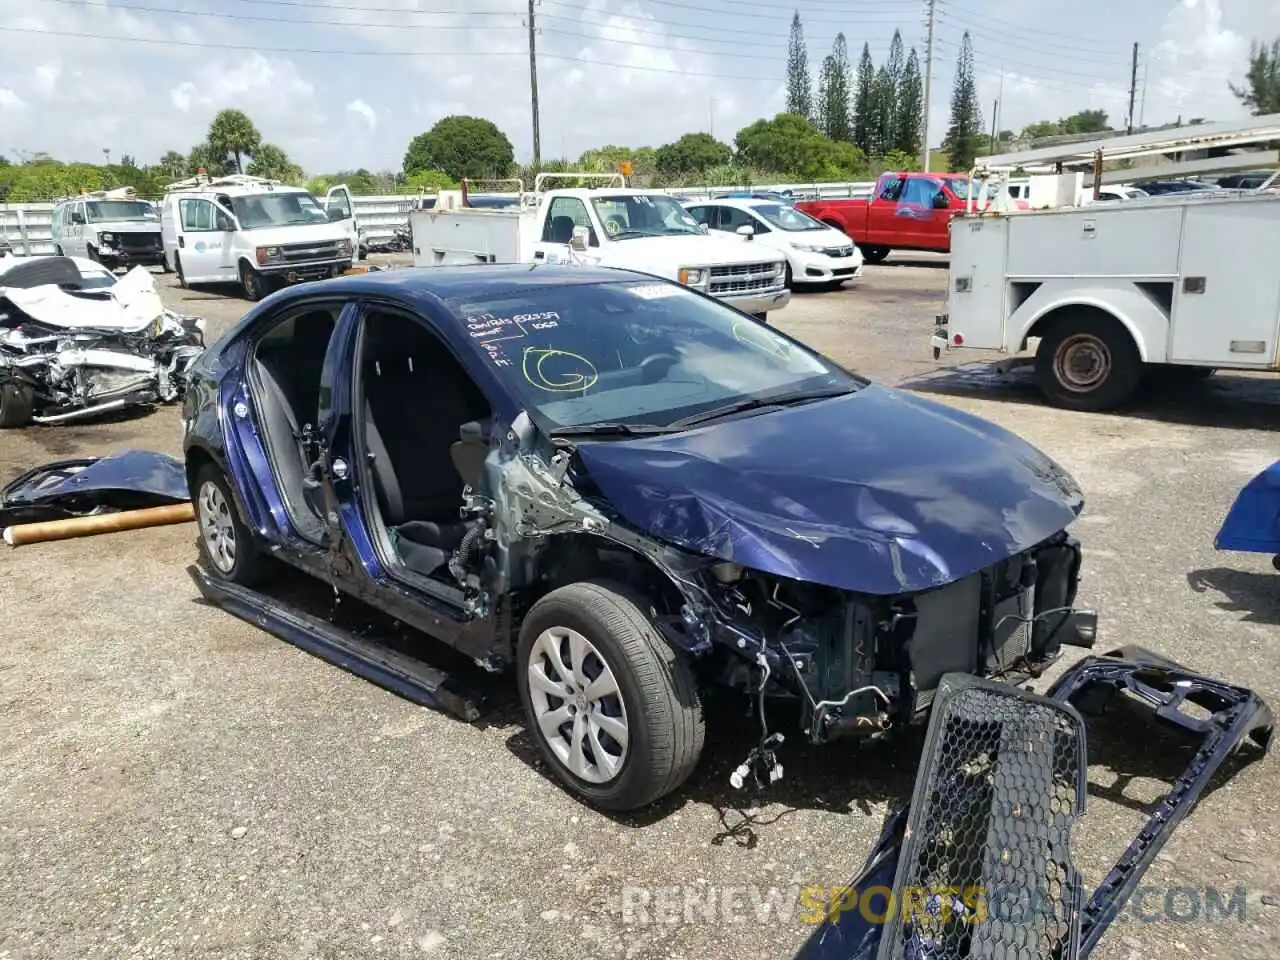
x,y
76,341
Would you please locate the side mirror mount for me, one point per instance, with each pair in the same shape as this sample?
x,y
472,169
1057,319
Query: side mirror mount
x,y
579,241
704,228
941,201
225,223
746,230
336,213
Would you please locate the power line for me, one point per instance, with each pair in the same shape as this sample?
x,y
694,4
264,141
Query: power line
x,y
304,5
218,15
1013,30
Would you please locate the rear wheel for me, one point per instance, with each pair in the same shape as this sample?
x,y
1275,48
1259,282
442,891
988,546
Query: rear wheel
x,y
1087,361
226,544
614,709
874,254
182,277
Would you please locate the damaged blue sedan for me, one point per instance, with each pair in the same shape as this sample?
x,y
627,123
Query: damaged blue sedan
x,y
625,492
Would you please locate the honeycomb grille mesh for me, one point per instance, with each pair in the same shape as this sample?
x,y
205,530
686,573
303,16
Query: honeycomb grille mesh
x,y
985,868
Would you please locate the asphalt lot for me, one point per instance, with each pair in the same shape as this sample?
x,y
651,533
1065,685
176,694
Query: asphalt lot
x,y
176,783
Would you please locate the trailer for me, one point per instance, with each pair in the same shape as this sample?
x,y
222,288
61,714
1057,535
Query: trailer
x,y
1106,293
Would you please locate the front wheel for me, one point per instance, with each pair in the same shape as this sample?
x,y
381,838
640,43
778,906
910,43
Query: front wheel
x,y
614,709
874,254
17,404
252,283
182,277
1087,361
226,544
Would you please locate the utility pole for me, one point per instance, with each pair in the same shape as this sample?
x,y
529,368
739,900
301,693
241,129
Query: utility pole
x,y
995,114
928,81
533,88
1142,104
1133,86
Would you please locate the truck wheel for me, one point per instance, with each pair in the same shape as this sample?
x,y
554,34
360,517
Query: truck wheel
x,y
226,545
1087,361
790,280
252,283
614,709
17,403
182,277
874,254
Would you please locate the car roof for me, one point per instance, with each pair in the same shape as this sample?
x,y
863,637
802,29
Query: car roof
x,y
421,284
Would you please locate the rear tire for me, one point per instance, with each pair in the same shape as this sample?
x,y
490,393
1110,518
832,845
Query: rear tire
x,y
874,254
226,545
645,695
17,404
1087,361
182,277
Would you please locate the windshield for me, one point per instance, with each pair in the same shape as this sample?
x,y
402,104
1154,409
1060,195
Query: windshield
x,y
635,353
277,210
99,210
642,215
787,218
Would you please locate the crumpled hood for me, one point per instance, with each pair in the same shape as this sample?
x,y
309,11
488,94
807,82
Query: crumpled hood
x,y
878,492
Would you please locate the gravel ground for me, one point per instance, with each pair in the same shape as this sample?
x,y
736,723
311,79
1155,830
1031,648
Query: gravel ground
x,y
176,783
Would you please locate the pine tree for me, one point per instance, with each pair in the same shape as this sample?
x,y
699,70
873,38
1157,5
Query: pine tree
x,y
864,102
833,92
964,135
909,117
882,103
799,88
892,90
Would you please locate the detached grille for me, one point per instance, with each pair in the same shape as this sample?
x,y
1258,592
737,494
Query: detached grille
x,y
305,252
744,278
139,242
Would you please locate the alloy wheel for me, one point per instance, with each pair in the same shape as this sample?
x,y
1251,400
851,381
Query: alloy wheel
x,y
217,527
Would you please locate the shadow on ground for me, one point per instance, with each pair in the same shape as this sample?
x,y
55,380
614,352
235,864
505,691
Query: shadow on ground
x,y
1256,595
1225,400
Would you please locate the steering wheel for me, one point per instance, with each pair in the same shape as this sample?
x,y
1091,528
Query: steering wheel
x,y
655,366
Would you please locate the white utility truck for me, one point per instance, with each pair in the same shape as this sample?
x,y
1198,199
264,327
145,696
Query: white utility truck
x,y
256,232
613,226
1113,291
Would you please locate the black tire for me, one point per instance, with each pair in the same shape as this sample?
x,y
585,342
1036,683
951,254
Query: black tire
x,y
253,285
663,712
177,266
363,253
57,250
874,254
1087,361
762,317
790,280
249,565
17,404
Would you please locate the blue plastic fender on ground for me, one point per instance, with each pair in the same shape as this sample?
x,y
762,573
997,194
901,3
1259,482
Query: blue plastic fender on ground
x,y
130,479
1252,525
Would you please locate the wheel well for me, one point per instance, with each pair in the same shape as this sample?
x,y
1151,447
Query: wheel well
x,y
196,460
834,225
569,558
1043,324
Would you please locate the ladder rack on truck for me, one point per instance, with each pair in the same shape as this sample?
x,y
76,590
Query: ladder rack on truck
x,y
1113,292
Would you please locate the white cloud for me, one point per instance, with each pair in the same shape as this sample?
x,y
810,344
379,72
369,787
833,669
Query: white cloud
x,y
10,100
364,110
609,71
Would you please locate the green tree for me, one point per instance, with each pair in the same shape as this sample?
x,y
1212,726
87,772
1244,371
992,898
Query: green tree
x,y
609,158
173,166
461,146
882,110
233,135
1261,90
799,85
1086,121
429,180
833,92
789,144
273,163
692,153
864,101
203,156
908,121
965,132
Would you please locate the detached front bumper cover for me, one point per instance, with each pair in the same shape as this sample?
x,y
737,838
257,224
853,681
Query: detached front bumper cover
x,y
1003,776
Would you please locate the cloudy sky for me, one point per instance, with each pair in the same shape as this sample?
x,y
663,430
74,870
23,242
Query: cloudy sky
x,y
347,83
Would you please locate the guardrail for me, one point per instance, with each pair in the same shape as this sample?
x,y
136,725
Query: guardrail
x,y
26,226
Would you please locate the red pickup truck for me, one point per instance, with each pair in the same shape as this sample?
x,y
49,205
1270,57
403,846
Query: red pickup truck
x,y
906,211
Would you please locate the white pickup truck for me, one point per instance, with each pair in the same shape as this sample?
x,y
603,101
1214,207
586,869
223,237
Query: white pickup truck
x,y
612,226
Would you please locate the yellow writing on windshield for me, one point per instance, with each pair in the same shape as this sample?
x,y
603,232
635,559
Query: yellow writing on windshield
x,y
558,371
750,335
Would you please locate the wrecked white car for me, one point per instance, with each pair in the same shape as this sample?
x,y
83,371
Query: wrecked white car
x,y
76,341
